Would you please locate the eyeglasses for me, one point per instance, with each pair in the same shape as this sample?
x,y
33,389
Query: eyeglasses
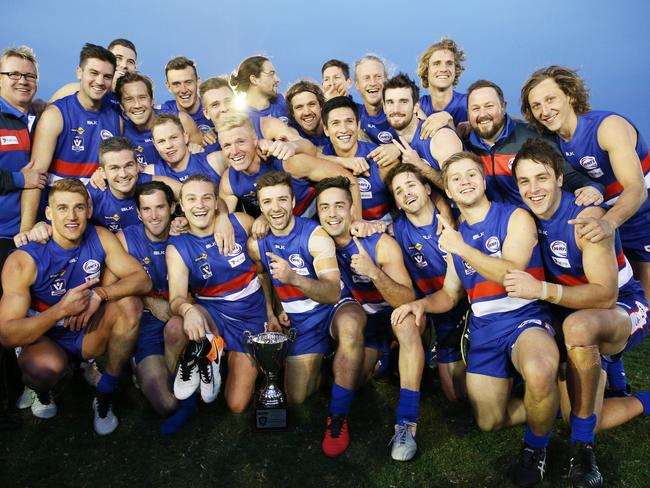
x,y
17,75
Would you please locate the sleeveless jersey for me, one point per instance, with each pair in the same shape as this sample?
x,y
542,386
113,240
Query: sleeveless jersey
x,y
316,140
115,213
492,309
374,194
586,156
228,283
457,107
151,255
145,151
15,147
197,164
360,287
277,109
376,127
305,314
77,148
202,122
59,270
423,147
563,258
243,187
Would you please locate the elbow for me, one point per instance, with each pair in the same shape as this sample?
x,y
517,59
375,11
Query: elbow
x,y
145,284
5,340
333,296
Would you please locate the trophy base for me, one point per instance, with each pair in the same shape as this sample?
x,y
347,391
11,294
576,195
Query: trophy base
x,y
270,419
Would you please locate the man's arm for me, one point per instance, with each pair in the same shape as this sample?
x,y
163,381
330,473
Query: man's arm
x,y
225,192
271,301
190,128
443,144
217,162
274,129
48,130
64,91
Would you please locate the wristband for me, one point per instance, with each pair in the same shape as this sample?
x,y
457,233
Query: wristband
x,y
102,293
544,294
560,291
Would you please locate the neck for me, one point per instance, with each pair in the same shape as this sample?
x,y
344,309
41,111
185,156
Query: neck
x,y
287,230
422,217
160,238
88,103
569,127
202,232
254,167
317,131
182,164
256,99
192,110
409,131
440,97
146,126
343,240
490,142
477,212
66,243
548,215
349,153
372,109
121,195
24,108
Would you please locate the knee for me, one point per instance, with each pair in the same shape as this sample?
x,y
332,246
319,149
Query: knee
x,y
237,405
174,333
408,334
130,312
41,371
490,424
540,374
577,331
350,332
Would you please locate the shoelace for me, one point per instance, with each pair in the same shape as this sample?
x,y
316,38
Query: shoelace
x,y
532,458
336,426
400,434
186,369
204,371
103,405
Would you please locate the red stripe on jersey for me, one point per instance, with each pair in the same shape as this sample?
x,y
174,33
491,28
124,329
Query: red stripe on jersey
x,y
367,296
302,205
288,292
374,213
38,305
75,170
570,280
230,286
429,285
620,260
616,188
486,289
14,140
159,294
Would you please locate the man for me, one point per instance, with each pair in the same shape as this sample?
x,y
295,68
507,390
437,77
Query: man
x,y
604,146
182,81
508,335
67,138
336,78
229,296
496,138
241,151
439,69
415,230
257,78
18,84
603,308
400,97
373,272
135,94
305,102
341,121
53,310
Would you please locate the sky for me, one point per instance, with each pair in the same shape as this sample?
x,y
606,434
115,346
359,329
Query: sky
x,y
608,42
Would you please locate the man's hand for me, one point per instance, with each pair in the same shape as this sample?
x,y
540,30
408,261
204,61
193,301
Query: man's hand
x,y
335,90
278,149
362,263
280,269
275,323
592,229
33,178
21,239
76,300
400,313
450,239
224,234
385,154
179,226
195,148
588,195
358,166
520,284
80,321
98,181
365,228
195,324
40,233
209,137
434,123
260,228
409,155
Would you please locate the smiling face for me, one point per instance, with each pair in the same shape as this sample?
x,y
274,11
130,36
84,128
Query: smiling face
x,y
442,69
182,83
539,187
69,213
370,78
343,130
276,204
239,146
306,111
121,172
217,102
95,79
335,212
410,194
199,202
399,107
465,183
18,93
486,113
550,105
156,214
137,103
170,142
333,76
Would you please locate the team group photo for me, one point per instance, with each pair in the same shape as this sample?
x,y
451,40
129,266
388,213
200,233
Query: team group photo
x,y
260,245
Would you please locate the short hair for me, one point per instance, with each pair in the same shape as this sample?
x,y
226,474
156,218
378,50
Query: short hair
x,y
459,156
336,63
234,120
124,43
163,118
402,80
93,51
404,168
133,77
114,144
23,52
300,87
200,178
150,188
213,83
444,43
340,182
339,102
541,152
569,82
68,185
274,178
486,84
252,66
180,62
370,57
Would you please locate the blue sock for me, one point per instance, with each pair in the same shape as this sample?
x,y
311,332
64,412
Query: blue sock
x,y
616,375
185,411
341,400
407,407
107,383
534,440
582,429
644,398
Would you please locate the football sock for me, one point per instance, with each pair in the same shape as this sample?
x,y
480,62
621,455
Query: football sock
x,y
186,410
107,383
582,429
616,375
341,400
534,440
644,398
407,407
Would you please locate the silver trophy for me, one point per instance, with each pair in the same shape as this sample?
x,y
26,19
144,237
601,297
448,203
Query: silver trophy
x,y
269,349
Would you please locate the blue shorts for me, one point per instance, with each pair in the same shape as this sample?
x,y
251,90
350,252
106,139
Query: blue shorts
x,y
317,339
232,329
70,341
492,357
378,332
636,306
449,329
151,338
635,239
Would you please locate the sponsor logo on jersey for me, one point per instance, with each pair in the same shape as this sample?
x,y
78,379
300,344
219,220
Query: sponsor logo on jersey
x,y
206,271
79,130
57,275
559,248
595,173
204,128
493,244
284,119
561,262
114,217
364,185
420,261
57,288
237,249
468,268
91,266
77,143
385,136
91,122
237,260
297,261
105,134
146,260
8,140
588,162
357,278
199,258
477,236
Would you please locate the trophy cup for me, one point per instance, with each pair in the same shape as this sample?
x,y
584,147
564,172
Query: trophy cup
x,y
269,349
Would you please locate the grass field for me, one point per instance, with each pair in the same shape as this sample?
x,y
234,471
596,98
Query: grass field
x,y
220,449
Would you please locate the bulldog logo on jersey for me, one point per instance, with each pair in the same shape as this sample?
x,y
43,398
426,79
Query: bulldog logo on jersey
x,y
206,271
57,288
385,137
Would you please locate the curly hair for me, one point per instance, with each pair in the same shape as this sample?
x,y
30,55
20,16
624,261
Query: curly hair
x,y
444,43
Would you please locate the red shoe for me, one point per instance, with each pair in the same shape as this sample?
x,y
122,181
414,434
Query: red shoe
x,y
337,438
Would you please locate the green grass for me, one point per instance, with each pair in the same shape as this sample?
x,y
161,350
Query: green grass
x,y
221,449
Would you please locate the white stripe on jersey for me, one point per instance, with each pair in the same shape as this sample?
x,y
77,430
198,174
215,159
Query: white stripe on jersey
x,y
251,288
300,306
505,304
